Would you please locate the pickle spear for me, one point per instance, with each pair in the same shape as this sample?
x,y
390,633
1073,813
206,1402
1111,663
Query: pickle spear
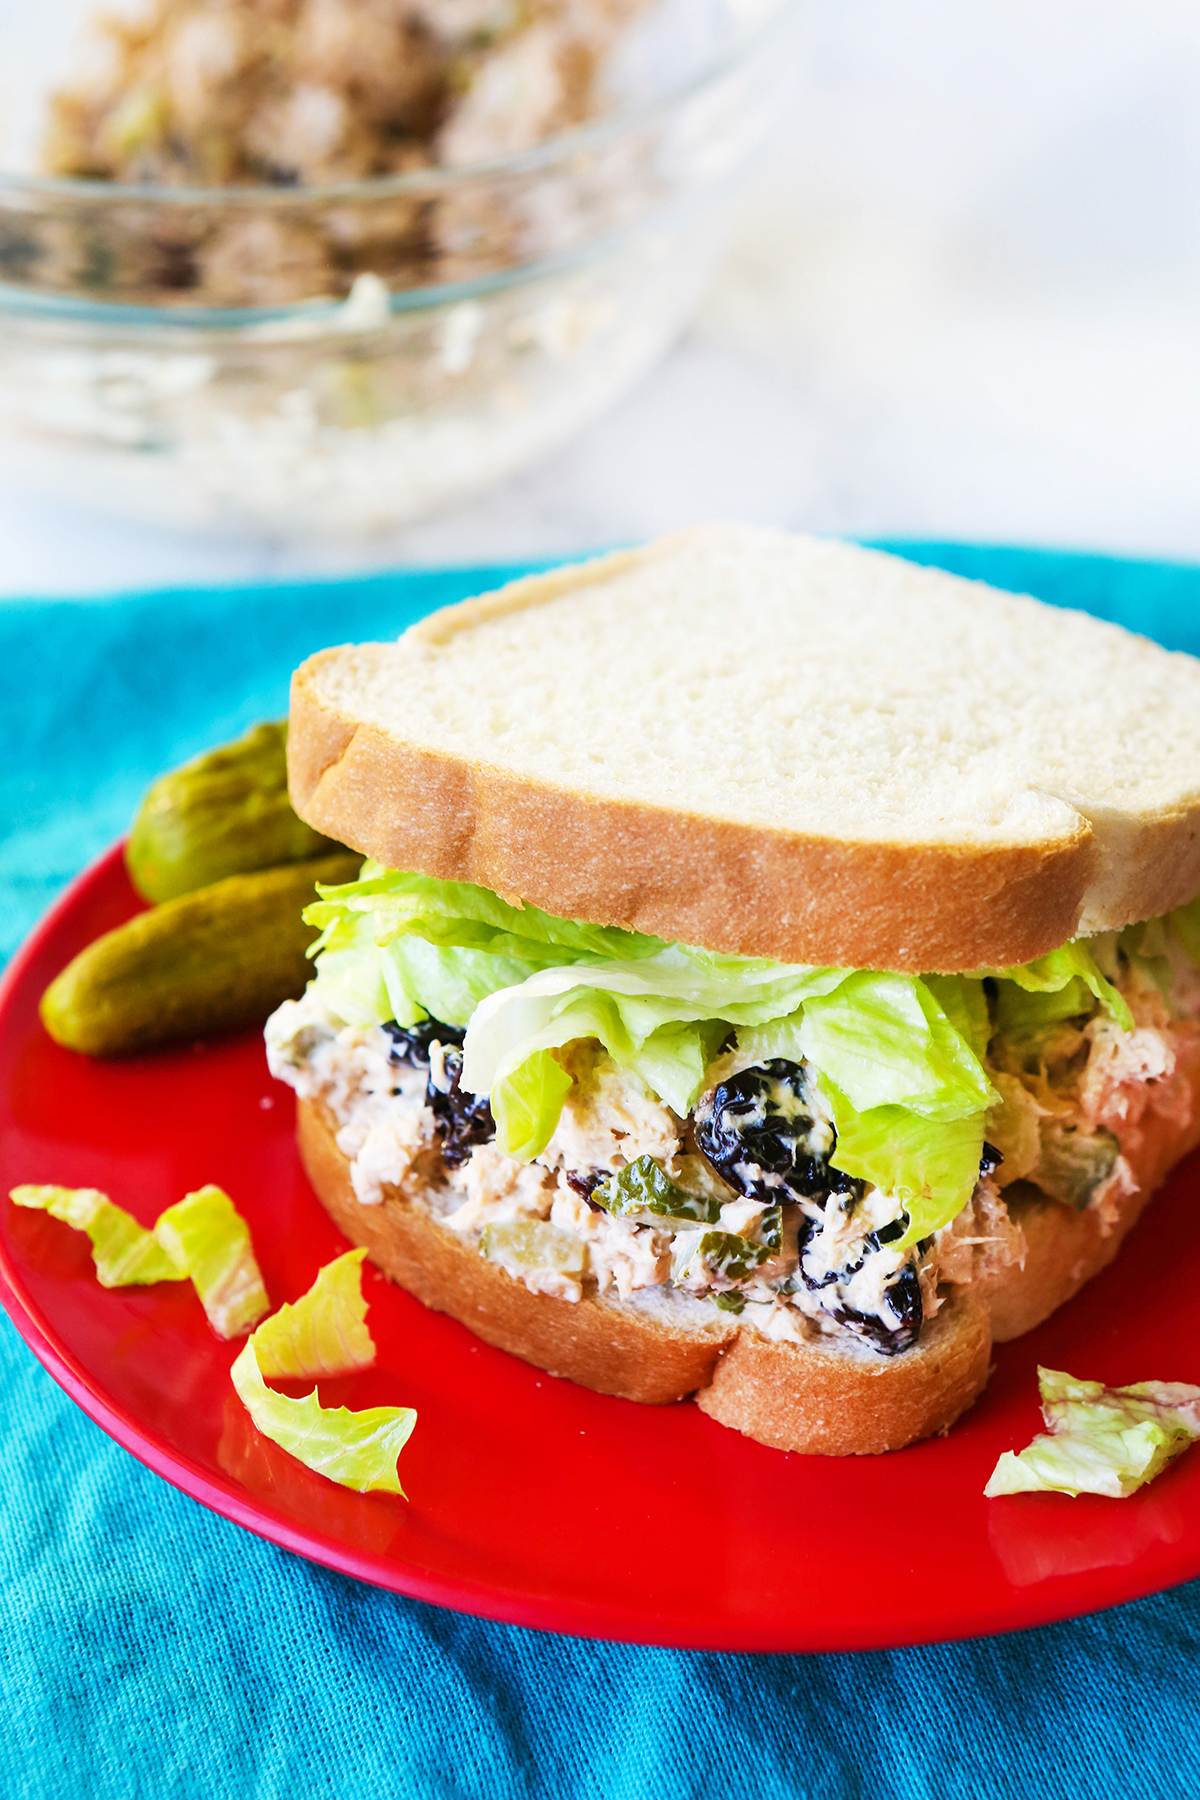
x,y
224,813
224,956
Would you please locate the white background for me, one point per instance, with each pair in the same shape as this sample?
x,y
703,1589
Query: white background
x,y
962,299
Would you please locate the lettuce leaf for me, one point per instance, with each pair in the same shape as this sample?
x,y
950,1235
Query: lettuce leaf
x,y
125,1254
1024,1014
526,1105
1073,963
883,1040
325,1332
356,1449
1101,1440
206,1235
964,1002
440,947
902,1054
932,1165
635,1010
779,1037
460,914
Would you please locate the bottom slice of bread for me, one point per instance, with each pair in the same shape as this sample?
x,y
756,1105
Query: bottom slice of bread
x,y
829,1400
822,1397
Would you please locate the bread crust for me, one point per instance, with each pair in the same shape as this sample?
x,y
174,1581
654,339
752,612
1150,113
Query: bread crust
x,y
811,1397
821,1401
743,889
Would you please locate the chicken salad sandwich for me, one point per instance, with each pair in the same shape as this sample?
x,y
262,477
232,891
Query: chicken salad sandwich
x,y
774,977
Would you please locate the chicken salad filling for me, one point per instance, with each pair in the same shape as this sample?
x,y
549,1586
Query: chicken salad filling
x,y
624,1144
622,1198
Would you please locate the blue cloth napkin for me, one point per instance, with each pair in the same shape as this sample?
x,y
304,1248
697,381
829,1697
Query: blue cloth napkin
x,y
149,1648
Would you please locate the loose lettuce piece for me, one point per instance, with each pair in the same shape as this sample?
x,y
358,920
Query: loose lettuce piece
x,y
206,1235
325,1332
356,1449
931,1165
1101,1440
125,1254
526,1105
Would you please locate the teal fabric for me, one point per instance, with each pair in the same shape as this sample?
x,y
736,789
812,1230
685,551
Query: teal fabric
x,y
148,1648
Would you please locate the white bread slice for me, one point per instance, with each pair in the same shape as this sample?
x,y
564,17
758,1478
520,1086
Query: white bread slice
x,y
770,745
827,1398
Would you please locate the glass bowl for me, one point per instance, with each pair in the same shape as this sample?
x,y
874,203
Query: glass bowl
x,y
339,360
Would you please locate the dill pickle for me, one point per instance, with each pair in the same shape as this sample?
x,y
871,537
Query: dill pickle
x,y
206,962
224,813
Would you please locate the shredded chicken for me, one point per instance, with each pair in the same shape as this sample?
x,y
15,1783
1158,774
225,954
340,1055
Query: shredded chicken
x,y
610,1117
982,1242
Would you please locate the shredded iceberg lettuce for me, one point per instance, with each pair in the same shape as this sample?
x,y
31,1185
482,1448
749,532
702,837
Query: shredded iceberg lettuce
x,y
899,1057
527,1104
205,1235
324,1333
1071,970
125,1254
395,945
1101,1440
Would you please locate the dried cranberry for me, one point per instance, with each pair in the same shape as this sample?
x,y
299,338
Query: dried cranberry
x,y
410,1043
464,1119
763,1124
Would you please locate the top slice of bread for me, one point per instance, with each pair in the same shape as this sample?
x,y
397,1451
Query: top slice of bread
x,y
772,745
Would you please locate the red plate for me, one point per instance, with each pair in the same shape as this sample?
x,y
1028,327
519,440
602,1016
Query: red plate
x,y
532,1500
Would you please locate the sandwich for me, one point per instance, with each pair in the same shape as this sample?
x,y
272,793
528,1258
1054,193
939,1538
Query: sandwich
x,y
773,978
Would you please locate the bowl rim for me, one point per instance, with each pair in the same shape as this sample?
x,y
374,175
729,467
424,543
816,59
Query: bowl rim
x,y
563,146
323,316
